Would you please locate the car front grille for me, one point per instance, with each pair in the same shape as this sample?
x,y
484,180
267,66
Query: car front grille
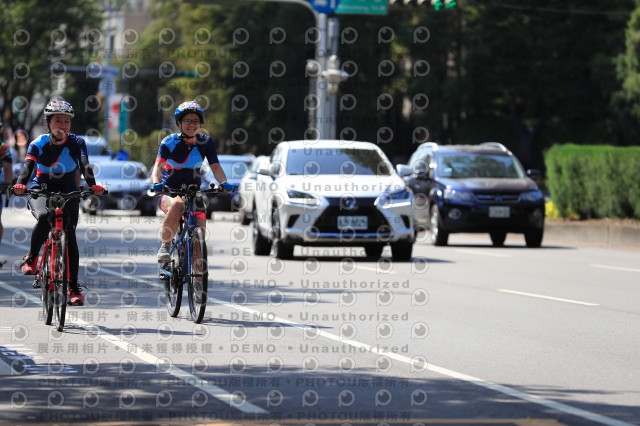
x,y
497,197
328,221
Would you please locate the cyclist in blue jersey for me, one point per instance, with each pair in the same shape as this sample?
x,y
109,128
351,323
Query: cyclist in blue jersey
x,y
178,163
57,156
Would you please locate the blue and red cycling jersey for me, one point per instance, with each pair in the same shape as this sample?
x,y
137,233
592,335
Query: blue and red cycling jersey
x,y
56,165
183,160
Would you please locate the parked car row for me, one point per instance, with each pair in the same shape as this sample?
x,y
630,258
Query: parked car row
x,y
235,168
128,183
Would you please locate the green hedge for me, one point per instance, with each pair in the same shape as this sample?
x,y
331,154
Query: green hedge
x,y
595,181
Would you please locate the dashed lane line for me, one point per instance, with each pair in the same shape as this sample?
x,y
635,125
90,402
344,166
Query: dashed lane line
x,y
541,296
233,400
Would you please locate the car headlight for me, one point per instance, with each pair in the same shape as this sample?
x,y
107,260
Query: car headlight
x,y
458,196
532,196
394,198
300,197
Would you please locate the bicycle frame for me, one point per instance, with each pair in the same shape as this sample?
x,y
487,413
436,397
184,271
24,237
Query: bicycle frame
x,y
54,281
188,222
188,246
57,228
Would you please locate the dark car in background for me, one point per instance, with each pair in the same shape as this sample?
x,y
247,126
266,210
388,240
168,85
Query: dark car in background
x,y
127,183
477,189
235,167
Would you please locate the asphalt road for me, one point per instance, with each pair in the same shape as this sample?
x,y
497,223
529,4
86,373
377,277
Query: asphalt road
x,y
461,334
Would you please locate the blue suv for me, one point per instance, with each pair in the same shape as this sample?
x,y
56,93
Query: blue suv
x,y
475,188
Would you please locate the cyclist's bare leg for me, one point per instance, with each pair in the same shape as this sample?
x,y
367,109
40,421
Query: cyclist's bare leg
x,y
174,208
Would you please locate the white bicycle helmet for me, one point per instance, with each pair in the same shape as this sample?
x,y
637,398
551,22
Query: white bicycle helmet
x,y
58,107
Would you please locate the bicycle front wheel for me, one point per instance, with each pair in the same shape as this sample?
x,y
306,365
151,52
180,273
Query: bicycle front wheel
x,y
198,275
172,282
60,282
46,283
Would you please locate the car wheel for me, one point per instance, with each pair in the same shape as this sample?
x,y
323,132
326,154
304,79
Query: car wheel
x,y
533,238
401,251
374,250
281,250
245,219
497,238
261,246
437,235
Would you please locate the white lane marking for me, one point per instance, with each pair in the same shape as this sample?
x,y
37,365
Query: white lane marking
x,y
540,296
367,268
5,369
482,253
216,392
616,268
559,406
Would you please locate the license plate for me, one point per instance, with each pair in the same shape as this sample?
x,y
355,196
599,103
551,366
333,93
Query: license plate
x,y
353,222
499,211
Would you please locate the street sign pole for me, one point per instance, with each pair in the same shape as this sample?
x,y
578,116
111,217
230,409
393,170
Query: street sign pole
x,y
333,32
321,85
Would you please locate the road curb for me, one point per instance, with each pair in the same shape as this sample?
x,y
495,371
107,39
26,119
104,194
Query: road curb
x,y
617,235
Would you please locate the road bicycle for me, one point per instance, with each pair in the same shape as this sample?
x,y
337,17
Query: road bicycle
x,y
52,273
188,253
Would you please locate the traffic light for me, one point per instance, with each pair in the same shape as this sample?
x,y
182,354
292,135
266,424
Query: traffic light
x,y
443,4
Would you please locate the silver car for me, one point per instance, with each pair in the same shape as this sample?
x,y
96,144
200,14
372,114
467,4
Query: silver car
x,y
127,183
246,190
332,193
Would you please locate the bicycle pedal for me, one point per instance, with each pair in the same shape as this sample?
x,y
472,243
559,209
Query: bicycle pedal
x,y
36,284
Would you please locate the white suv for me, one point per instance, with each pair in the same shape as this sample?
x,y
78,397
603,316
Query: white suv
x,y
332,193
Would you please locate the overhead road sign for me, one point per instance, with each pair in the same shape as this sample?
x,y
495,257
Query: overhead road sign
x,y
324,6
363,7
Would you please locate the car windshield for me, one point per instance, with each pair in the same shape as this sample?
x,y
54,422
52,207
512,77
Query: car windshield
x,y
334,161
473,165
119,171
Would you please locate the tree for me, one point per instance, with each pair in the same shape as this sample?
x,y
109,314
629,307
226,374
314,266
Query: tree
x,y
544,65
626,100
33,35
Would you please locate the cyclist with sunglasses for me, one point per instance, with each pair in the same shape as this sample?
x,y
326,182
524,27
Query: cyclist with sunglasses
x,y
57,157
178,163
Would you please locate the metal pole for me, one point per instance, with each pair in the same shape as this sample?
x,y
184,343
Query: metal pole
x,y
332,104
321,57
108,82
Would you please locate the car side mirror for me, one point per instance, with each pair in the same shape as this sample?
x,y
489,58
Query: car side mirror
x,y
403,170
534,174
266,172
421,174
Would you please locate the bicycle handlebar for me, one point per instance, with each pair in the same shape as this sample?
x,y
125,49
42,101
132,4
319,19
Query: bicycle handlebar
x,y
186,191
84,192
